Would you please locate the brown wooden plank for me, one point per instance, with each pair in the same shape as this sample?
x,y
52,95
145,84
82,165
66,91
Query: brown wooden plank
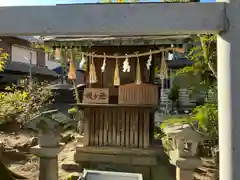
x,y
109,126
140,128
136,128
138,94
96,95
123,127
97,127
101,126
127,137
114,126
92,122
131,113
119,126
146,128
87,117
105,128
84,105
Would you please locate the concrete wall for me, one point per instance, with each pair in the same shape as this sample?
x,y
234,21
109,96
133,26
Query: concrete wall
x,y
20,48
18,53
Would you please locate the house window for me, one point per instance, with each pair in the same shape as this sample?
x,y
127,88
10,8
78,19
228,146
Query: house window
x,y
167,84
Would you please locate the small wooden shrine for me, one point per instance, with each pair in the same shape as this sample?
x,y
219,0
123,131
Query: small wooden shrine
x,y
118,103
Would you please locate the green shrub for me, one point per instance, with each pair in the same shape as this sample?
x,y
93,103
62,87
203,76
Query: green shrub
x,y
204,119
23,102
72,111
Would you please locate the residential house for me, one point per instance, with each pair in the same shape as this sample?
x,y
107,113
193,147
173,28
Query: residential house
x,y
42,66
22,60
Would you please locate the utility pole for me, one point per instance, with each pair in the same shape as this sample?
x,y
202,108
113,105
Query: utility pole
x,y
30,69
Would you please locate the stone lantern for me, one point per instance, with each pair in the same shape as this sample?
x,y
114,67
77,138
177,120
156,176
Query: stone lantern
x,y
187,141
184,153
49,145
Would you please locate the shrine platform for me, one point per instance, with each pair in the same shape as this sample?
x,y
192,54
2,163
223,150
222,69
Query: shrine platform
x,y
118,138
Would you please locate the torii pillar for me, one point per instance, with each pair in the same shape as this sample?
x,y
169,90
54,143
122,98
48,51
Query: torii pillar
x,y
228,53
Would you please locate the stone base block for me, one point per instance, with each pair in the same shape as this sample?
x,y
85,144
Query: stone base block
x,y
182,174
140,157
188,164
151,163
117,159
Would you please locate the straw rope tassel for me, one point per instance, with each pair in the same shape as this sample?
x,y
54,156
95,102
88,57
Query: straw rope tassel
x,y
72,65
57,53
82,62
138,73
104,64
72,70
164,68
92,72
116,80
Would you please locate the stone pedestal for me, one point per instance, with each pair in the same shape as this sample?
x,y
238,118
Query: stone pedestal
x,y
185,168
184,154
48,161
182,174
48,168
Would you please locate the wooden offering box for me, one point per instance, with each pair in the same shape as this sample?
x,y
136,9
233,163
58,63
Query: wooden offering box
x,y
142,94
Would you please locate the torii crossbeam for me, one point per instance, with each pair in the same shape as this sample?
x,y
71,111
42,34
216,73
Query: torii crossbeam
x,y
154,19
113,19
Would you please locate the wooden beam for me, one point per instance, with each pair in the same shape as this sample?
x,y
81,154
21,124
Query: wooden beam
x,y
118,42
113,19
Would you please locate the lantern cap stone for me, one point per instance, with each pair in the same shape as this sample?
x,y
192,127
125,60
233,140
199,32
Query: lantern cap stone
x,y
51,117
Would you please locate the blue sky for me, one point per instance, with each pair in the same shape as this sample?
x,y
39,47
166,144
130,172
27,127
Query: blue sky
x,y
52,2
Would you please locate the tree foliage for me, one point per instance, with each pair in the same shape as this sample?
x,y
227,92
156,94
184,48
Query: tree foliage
x,y
204,118
3,57
23,102
204,65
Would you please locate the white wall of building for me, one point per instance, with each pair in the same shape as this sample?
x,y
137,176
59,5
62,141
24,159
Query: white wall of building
x,y
21,54
51,64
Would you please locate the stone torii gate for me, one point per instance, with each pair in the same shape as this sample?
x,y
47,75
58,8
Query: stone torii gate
x,y
154,19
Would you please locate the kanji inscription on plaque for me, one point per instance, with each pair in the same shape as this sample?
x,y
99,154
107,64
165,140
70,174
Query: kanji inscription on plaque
x,y
96,95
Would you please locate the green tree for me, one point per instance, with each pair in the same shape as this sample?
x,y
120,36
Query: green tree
x,y
204,66
3,58
204,118
6,174
20,104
